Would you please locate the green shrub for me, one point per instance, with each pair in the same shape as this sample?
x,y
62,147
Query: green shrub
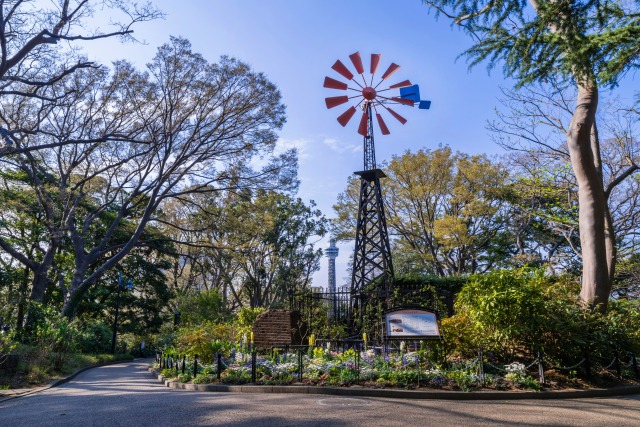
x,y
504,309
52,336
205,379
245,319
184,378
517,313
95,337
205,340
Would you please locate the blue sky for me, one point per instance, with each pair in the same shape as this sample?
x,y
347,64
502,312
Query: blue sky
x,y
295,43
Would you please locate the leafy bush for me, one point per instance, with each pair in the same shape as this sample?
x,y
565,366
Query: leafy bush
x,y
518,313
184,378
52,336
205,379
502,310
245,319
95,337
205,340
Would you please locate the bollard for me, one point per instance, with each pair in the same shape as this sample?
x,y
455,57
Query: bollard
x,y
195,366
481,365
219,356
587,366
253,366
540,369
184,363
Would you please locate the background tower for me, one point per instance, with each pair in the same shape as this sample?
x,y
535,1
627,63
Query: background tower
x,y
332,254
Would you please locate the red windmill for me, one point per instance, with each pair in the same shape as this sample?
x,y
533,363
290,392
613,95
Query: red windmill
x,y
366,92
372,263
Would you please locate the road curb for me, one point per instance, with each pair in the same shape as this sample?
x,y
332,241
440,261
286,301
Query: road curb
x,y
401,394
61,381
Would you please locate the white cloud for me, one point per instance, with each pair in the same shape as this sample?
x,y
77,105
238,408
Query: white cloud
x,y
300,144
340,148
281,146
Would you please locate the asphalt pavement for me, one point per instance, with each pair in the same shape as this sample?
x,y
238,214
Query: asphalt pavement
x,y
126,394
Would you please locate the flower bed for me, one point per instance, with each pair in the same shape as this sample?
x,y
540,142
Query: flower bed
x,y
321,367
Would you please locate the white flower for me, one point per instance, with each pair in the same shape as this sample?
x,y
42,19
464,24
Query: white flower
x,y
515,368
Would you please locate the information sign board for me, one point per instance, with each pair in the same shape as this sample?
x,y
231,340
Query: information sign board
x,y
411,323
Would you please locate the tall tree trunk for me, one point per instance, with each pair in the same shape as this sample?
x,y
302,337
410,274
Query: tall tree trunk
x,y
592,207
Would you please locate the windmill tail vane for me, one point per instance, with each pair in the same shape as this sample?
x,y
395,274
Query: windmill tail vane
x,y
365,91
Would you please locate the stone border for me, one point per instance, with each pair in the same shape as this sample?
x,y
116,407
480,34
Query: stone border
x,y
400,394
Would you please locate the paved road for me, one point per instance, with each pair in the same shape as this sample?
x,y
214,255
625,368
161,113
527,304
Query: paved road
x,y
127,395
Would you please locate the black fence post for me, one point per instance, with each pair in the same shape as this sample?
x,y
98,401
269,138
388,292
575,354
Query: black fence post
x,y
587,366
634,363
219,356
617,364
300,365
358,363
253,366
540,369
481,365
184,363
195,366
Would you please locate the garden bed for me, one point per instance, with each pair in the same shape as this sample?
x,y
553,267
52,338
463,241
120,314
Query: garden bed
x,y
409,371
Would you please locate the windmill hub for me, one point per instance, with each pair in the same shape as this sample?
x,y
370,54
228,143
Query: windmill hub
x,y
369,93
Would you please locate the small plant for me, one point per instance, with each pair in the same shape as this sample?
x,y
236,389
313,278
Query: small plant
x,y
184,378
205,379
236,375
517,375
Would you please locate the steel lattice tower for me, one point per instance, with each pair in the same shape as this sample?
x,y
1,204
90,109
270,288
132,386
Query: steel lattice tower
x,y
372,254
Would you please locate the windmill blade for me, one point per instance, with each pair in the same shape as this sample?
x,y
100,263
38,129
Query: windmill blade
x,y
375,60
404,83
334,101
397,116
364,124
383,126
411,92
357,62
344,118
392,69
342,70
334,84
403,101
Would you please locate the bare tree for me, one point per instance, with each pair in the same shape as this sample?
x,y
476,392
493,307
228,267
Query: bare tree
x,y
184,126
535,124
37,51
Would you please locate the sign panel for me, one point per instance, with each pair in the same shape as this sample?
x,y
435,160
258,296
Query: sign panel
x,y
411,323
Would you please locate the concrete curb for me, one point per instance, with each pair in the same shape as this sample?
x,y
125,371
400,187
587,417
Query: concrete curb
x,y
401,394
61,381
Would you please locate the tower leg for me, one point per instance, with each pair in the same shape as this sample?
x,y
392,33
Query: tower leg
x,y
372,275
